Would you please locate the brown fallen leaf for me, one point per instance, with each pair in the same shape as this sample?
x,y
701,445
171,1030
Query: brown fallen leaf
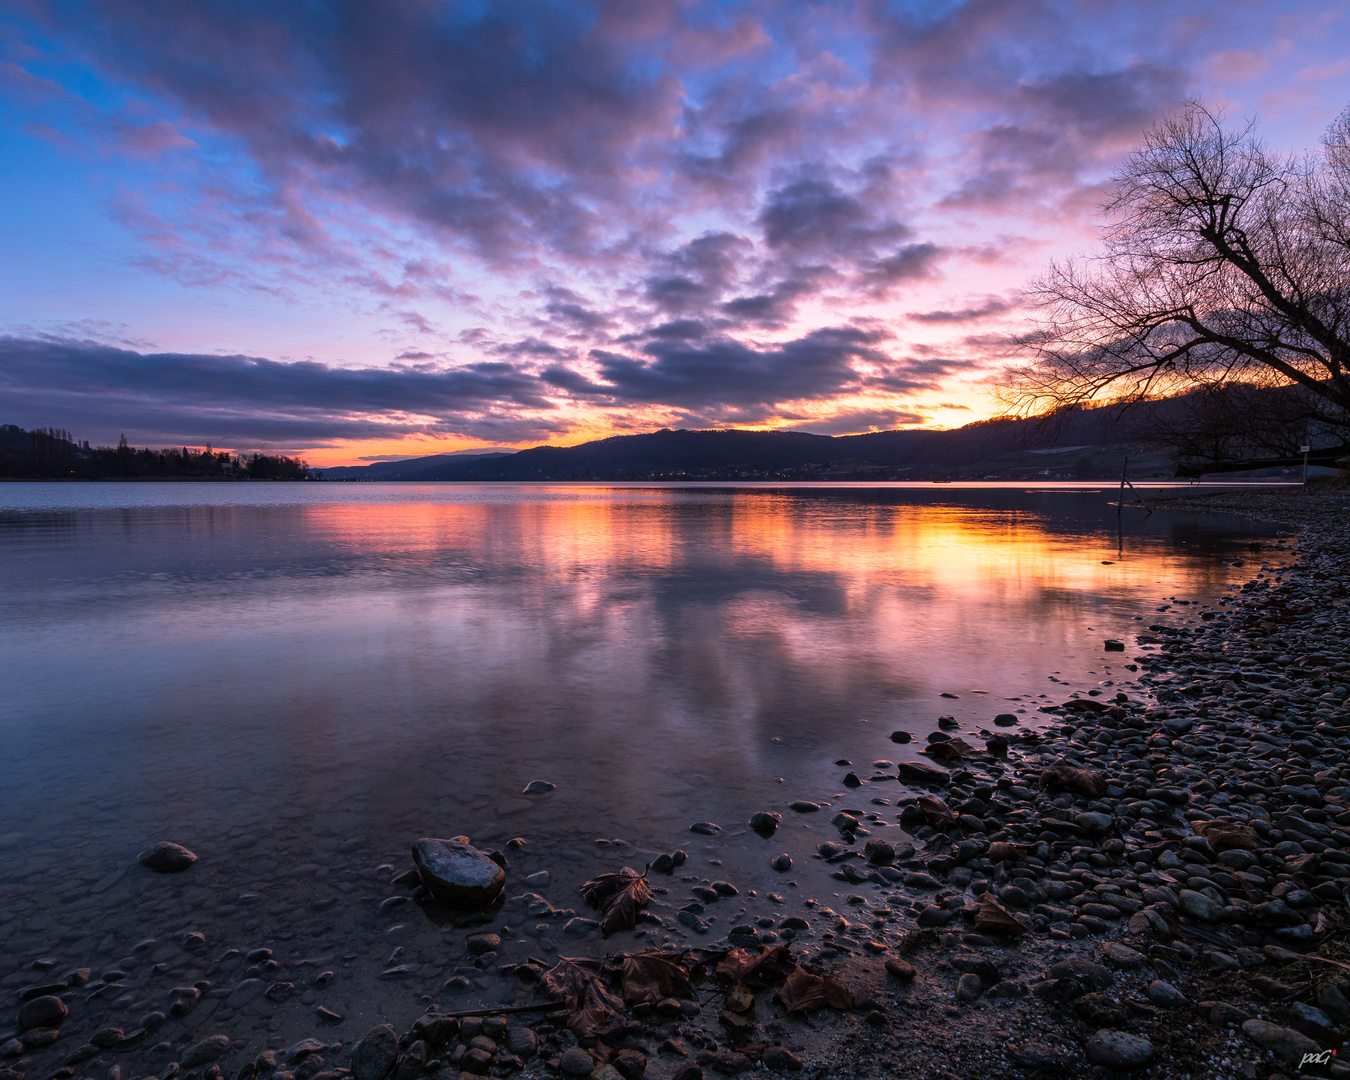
x,y
740,998
620,897
649,976
755,969
1226,835
937,813
804,992
1003,851
1063,776
580,983
993,918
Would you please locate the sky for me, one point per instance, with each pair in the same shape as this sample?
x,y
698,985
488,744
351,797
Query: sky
x,y
356,231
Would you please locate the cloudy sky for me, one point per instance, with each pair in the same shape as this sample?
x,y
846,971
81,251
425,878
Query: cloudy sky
x,y
357,230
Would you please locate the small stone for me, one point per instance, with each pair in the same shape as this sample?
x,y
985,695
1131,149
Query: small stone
x,y
1112,645
204,1052
373,1057
778,1059
705,828
576,1062
1285,1043
969,987
606,1072
458,874
781,863
42,1012
481,943
1119,1049
1200,906
1005,719
1165,995
1122,956
630,1064
879,853
539,880
539,787
764,821
901,737
901,969
522,1042
167,858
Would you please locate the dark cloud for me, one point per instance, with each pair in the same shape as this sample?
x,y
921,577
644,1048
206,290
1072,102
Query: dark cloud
x,y
815,215
858,421
697,273
989,305
727,372
99,390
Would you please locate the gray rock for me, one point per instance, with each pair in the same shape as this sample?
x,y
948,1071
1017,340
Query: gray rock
x,y
1122,956
576,1062
1285,1043
166,858
521,1041
879,853
204,1052
1165,995
778,1059
456,873
42,1012
373,1057
705,828
969,987
781,863
1200,906
303,1049
1119,1049
764,821
539,787
1095,824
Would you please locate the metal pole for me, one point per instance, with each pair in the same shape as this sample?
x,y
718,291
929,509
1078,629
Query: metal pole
x,y
1304,450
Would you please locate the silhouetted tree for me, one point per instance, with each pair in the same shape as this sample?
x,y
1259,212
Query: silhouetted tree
x,y
1223,264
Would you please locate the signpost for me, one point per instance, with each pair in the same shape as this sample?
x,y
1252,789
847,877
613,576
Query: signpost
x,y
1304,450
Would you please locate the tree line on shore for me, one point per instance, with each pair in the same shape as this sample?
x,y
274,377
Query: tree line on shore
x,y
54,454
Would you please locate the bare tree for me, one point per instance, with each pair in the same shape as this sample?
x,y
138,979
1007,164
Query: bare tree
x,y
1222,264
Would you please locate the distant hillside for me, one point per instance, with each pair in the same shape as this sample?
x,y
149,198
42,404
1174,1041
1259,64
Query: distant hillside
x,y
1086,445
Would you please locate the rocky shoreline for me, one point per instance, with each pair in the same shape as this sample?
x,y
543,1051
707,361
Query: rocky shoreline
x,y
1153,881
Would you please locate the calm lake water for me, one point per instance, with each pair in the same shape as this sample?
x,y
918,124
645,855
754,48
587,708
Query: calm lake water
x,y
297,680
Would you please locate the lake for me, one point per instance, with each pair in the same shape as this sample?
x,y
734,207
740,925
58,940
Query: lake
x,y
296,680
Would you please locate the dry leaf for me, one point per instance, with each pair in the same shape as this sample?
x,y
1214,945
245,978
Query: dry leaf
x,y
740,998
1062,775
804,992
1225,835
935,810
580,983
762,968
1003,851
993,918
620,897
650,976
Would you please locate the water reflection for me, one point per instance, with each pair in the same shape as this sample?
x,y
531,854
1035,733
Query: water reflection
x,y
661,655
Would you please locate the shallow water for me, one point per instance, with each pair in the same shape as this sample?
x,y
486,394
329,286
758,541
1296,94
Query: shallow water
x,y
297,680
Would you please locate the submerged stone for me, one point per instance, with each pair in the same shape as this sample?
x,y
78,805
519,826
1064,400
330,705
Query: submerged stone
x,y
457,873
